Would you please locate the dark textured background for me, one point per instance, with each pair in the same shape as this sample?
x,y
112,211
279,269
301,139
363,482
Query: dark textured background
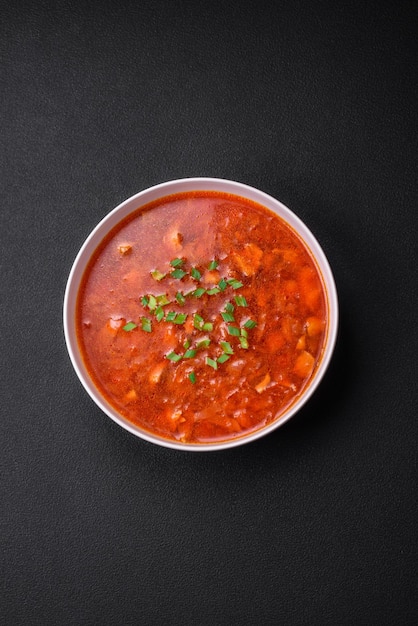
x,y
314,103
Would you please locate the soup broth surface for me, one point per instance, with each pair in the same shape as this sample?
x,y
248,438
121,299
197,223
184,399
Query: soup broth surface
x,y
201,317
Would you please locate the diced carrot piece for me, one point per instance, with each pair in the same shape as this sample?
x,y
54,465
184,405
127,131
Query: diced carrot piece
x,y
275,341
310,287
312,299
131,396
304,364
125,249
156,372
189,325
301,344
314,326
263,384
212,277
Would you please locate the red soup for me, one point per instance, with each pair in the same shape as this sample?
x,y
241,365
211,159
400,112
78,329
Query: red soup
x,y
201,317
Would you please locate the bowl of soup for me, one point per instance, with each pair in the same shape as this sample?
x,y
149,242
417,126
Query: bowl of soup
x,y
200,314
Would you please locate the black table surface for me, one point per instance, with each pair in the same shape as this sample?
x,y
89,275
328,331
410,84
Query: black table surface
x,y
314,103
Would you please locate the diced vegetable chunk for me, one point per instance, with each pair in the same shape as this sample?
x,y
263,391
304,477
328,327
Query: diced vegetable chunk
x,y
263,384
125,249
156,372
314,326
304,364
131,396
113,325
301,344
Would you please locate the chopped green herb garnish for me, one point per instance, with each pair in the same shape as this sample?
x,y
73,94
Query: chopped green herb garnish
x,y
227,317
194,272
159,313
163,299
234,283
244,342
203,344
157,275
240,301
226,347
198,321
178,273
211,363
152,303
146,324
129,326
180,318
155,304
180,298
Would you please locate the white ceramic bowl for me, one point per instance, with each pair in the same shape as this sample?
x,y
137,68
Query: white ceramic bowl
x,y
154,193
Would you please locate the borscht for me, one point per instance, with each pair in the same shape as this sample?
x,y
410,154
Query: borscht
x,y
202,317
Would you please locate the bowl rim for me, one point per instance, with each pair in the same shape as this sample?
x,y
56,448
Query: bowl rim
x,y
134,202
